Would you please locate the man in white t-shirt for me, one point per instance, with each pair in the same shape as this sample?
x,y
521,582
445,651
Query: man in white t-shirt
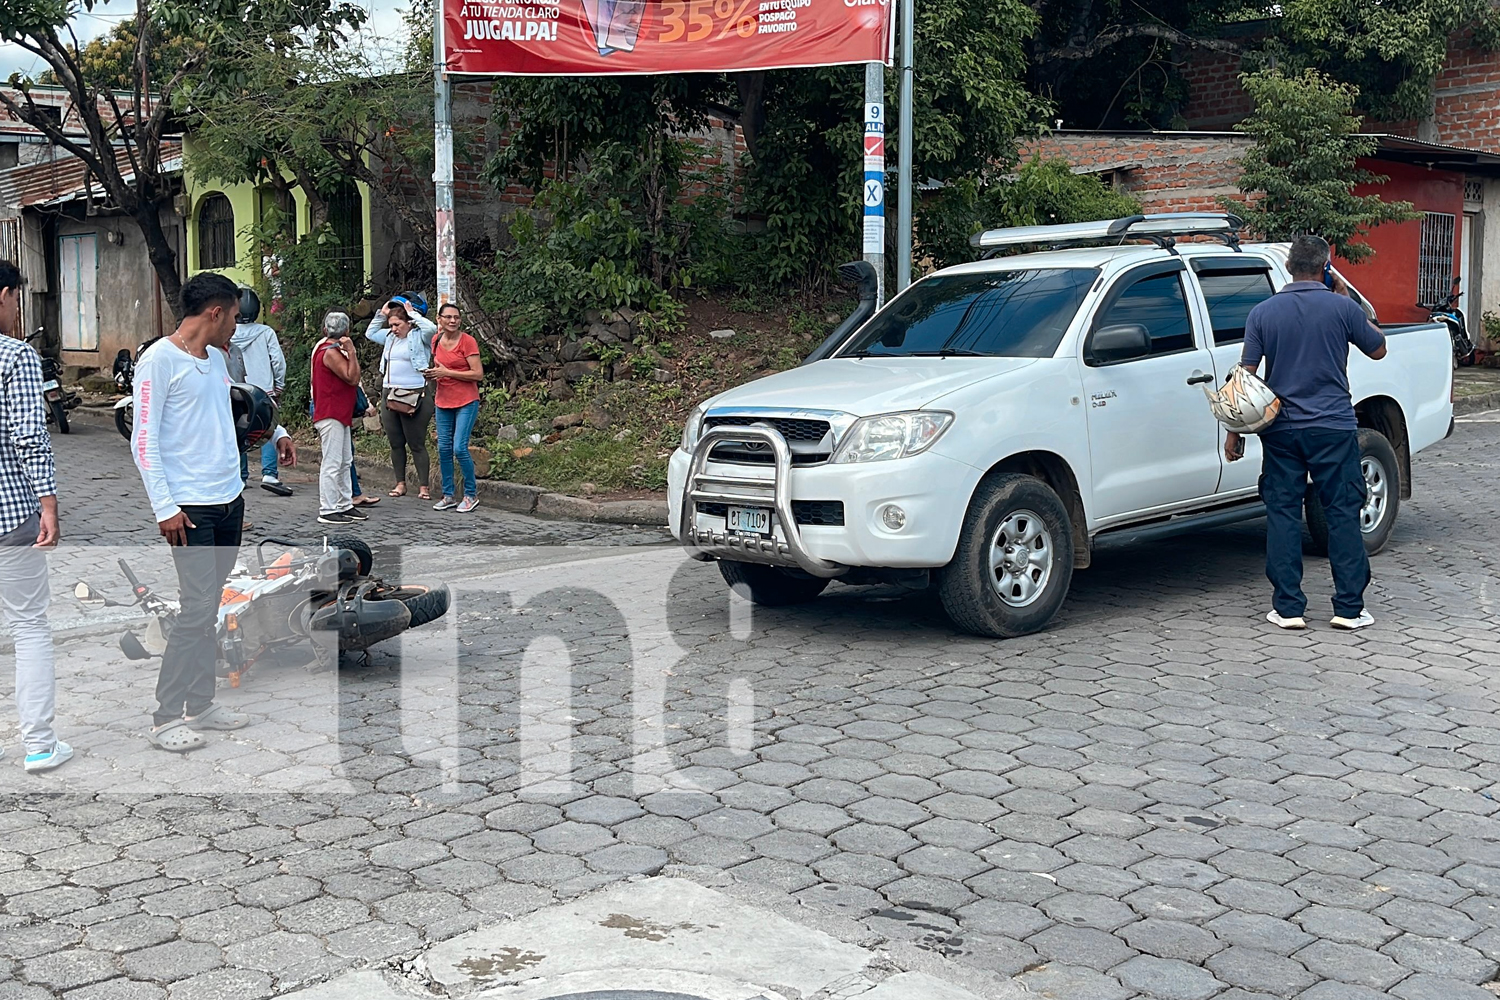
x,y
185,446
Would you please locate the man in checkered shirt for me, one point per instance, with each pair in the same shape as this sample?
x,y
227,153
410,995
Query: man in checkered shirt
x,y
28,528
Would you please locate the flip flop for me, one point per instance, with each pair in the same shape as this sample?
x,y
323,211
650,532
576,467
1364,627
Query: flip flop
x,y
366,501
398,491
218,717
424,494
176,737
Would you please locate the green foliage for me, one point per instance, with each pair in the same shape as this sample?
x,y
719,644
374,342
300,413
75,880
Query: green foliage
x,y
1301,172
591,245
304,288
1390,51
1041,192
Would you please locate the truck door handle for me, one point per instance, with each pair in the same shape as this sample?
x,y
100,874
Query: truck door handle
x,y
1199,379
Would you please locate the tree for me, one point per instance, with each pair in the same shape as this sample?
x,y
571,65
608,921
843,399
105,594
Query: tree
x,y
316,118
110,60
124,131
1301,173
1108,63
803,128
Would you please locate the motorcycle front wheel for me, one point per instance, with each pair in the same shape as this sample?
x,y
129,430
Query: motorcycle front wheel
x,y
123,422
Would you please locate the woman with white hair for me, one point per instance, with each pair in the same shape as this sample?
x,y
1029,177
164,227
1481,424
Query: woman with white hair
x,y
335,383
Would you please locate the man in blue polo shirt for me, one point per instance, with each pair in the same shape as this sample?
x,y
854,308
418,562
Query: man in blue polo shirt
x,y
1303,332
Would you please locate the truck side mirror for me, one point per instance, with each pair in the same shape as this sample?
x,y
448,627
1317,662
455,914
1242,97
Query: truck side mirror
x,y
1121,342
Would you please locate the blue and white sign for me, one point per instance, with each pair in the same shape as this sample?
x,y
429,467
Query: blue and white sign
x,y
874,186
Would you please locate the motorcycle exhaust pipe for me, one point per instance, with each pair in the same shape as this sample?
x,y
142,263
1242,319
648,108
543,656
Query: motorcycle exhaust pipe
x,y
859,273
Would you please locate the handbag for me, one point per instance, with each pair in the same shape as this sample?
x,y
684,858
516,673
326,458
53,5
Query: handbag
x,y
403,401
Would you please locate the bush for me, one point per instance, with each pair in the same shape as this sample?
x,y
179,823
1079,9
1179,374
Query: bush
x,y
608,238
1041,193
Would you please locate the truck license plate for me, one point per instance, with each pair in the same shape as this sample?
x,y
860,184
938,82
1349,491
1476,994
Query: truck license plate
x,y
750,520
49,385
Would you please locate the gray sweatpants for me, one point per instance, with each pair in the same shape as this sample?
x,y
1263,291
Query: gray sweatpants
x,y
24,596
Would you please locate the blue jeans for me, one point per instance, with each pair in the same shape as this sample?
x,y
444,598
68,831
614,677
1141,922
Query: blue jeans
x,y
268,465
353,481
1331,458
453,429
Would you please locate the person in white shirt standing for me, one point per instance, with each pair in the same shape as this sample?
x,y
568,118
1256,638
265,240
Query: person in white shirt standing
x,y
187,450
28,528
265,367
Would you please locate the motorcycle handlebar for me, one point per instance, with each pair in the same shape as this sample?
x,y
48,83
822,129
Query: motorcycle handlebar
x,y
134,583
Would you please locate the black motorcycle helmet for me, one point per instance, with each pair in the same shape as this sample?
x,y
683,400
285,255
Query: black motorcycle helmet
x,y
254,415
249,306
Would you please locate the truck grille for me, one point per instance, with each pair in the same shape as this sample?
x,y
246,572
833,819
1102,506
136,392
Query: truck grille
x,y
828,513
791,428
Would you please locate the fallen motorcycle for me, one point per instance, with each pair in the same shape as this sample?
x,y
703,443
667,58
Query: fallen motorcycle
x,y
323,596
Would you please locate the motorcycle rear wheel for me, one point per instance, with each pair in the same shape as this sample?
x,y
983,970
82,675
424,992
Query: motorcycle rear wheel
x,y
426,604
60,414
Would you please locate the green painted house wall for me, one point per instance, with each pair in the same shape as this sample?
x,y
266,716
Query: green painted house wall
x,y
248,203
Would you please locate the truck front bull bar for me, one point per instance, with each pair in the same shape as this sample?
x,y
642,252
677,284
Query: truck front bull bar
x,y
700,487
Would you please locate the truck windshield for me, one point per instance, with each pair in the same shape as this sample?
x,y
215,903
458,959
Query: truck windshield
x,y
1003,314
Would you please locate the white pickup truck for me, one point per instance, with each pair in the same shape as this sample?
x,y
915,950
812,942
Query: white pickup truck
x,y
988,424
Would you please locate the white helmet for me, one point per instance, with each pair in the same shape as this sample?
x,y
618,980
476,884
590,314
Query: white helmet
x,y
1245,404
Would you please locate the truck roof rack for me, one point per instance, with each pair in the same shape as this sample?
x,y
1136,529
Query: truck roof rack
x,y
1162,229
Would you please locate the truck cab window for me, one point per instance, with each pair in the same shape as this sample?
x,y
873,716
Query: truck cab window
x,y
1157,303
1230,296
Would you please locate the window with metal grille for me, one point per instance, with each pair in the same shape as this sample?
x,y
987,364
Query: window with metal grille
x,y
346,216
1435,259
215,233
1473,191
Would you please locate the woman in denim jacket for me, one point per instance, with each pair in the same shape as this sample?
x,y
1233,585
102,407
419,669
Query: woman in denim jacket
x,y
405,337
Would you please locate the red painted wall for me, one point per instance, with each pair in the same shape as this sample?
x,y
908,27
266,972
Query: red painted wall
x,y
1389,279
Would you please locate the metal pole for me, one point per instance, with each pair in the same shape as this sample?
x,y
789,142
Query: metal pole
x,y
874,187
445,242
904,151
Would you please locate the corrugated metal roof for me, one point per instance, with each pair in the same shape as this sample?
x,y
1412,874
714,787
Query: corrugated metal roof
x,y
66,178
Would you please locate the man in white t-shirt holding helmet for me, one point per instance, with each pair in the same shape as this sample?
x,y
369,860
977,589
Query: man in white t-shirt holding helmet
x,y
187,448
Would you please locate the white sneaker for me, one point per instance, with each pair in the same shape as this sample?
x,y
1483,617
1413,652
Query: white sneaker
x,y
1290,624
270,479
1350,624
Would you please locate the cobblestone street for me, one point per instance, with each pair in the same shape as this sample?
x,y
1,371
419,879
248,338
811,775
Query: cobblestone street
x,y
1160,797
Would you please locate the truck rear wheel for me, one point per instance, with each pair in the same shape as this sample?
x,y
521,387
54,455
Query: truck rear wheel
x,y
1014,561
770,586
1377,516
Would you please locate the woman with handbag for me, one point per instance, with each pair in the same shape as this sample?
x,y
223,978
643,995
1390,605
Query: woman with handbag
x,y
405,337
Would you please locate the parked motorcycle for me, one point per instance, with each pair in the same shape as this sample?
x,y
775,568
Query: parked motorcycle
x,y
58,399
324,596
124,374
1448,313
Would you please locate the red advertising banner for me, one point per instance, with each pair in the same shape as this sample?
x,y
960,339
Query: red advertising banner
x,y
596,37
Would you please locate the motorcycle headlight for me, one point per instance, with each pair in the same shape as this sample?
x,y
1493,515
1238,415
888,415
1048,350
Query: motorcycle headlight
x,y
892,435
693,428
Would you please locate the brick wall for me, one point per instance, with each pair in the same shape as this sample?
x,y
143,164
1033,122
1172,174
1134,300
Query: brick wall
x,y
1165,173
1466,97
1215,98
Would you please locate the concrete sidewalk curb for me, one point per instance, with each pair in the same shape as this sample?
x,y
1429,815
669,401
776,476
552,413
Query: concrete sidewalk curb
x,y
515,498
1477,403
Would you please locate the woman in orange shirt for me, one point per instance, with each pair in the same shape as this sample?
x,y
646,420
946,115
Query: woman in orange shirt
x,y
457,369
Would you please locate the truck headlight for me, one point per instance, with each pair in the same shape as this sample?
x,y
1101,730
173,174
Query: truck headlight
x,y
693,428
892,435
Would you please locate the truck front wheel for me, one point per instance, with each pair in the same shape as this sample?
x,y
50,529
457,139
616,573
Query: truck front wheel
x,y
770,586
1014,561
1377,516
